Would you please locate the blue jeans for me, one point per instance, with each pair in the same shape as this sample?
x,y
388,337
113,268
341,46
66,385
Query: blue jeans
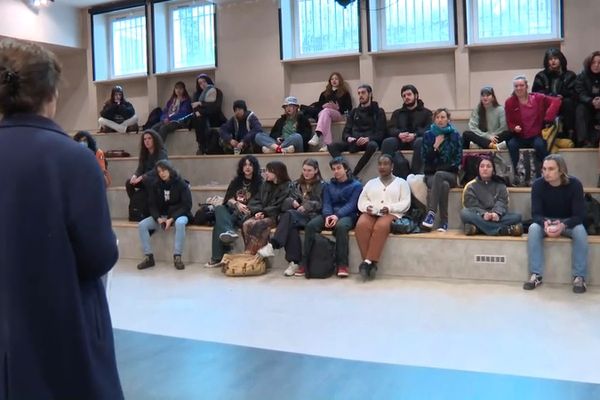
x,y
579,251
490,228
515,143
148,224
295,139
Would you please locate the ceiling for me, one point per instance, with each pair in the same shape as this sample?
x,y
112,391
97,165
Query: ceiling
x,y
90,3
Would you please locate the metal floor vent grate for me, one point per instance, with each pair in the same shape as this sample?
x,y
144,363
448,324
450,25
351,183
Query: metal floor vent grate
x,y
488,259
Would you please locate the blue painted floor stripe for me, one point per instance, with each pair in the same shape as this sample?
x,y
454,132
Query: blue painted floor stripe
x,y
167,368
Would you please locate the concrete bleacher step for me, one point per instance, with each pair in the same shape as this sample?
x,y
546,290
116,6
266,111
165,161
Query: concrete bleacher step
x,y
220,169
520,201
449,255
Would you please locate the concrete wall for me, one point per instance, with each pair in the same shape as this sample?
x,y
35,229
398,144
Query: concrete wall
x,y
249,66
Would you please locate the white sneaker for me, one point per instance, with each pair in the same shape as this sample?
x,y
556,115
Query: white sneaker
x,y
502,146
289,149
213,264
228,237
266,251
267,150
323,149
315,140
291,269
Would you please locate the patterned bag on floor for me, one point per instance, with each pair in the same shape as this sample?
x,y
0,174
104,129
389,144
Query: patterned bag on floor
x,y
527,168
243,265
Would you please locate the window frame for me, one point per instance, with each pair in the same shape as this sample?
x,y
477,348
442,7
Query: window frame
x,y
378,38
111,17
472,27
291,22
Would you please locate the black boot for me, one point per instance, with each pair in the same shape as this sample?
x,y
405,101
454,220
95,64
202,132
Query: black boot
x,y
147,262
177,262
372,270
363,269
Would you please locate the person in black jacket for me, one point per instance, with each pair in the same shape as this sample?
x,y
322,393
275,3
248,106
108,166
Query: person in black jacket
x,y
365,129
207,103
152,149
587,113
556,80
170,204
407,126
56,337
118,115
230,215
290,133
237,134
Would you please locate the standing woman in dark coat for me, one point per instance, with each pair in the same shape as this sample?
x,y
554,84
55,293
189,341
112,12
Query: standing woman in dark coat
x,y
56,340
152,149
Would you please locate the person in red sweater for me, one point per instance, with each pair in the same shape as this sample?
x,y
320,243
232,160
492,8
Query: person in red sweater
x,y
526,115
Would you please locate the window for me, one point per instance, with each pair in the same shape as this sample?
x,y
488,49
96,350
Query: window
x,y
507,21
119,39
411,24
184,35
312,28
128,45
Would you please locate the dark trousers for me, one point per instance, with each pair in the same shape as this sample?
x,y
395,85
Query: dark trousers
x,y
224,221
164,129
340,231
484,143
201,128
392,145
439,185
287,234
585,118
516,143
567,115
336,149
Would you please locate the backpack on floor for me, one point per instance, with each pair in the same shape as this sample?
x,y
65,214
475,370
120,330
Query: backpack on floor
x,y
592,215
138,206
153,118
504,168
321,260
243,265
528,168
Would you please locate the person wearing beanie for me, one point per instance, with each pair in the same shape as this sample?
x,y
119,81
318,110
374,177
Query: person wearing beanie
x,y
587,113
207,102
291,132
240,130
556,80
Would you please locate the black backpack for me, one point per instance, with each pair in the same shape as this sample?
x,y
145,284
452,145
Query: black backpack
x,y
321,258
592,215
153,118
205,215
138,206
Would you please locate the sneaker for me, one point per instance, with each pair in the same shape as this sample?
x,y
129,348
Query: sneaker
x,y
470,229
429,219
534,281
291,269
363,269
315,140
373,270
343,271
324,149
502,146
579,285
147,262
443,227
213,264
289,149
266,251
177,262
301,271
228,237
267,150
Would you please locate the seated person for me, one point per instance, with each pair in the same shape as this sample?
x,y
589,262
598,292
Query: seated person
x,y
176,112
442,156
87,140
304,203
364,130
207,104
118,115
407,126
264,208
526,115
170,203
340,198
333,104
382,200
290,133
556,80
238,133
587,113
487,125
557,210
230,215
152,149
485,204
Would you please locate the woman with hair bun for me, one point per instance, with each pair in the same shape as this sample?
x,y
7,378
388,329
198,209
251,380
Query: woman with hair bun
x,y
56,340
